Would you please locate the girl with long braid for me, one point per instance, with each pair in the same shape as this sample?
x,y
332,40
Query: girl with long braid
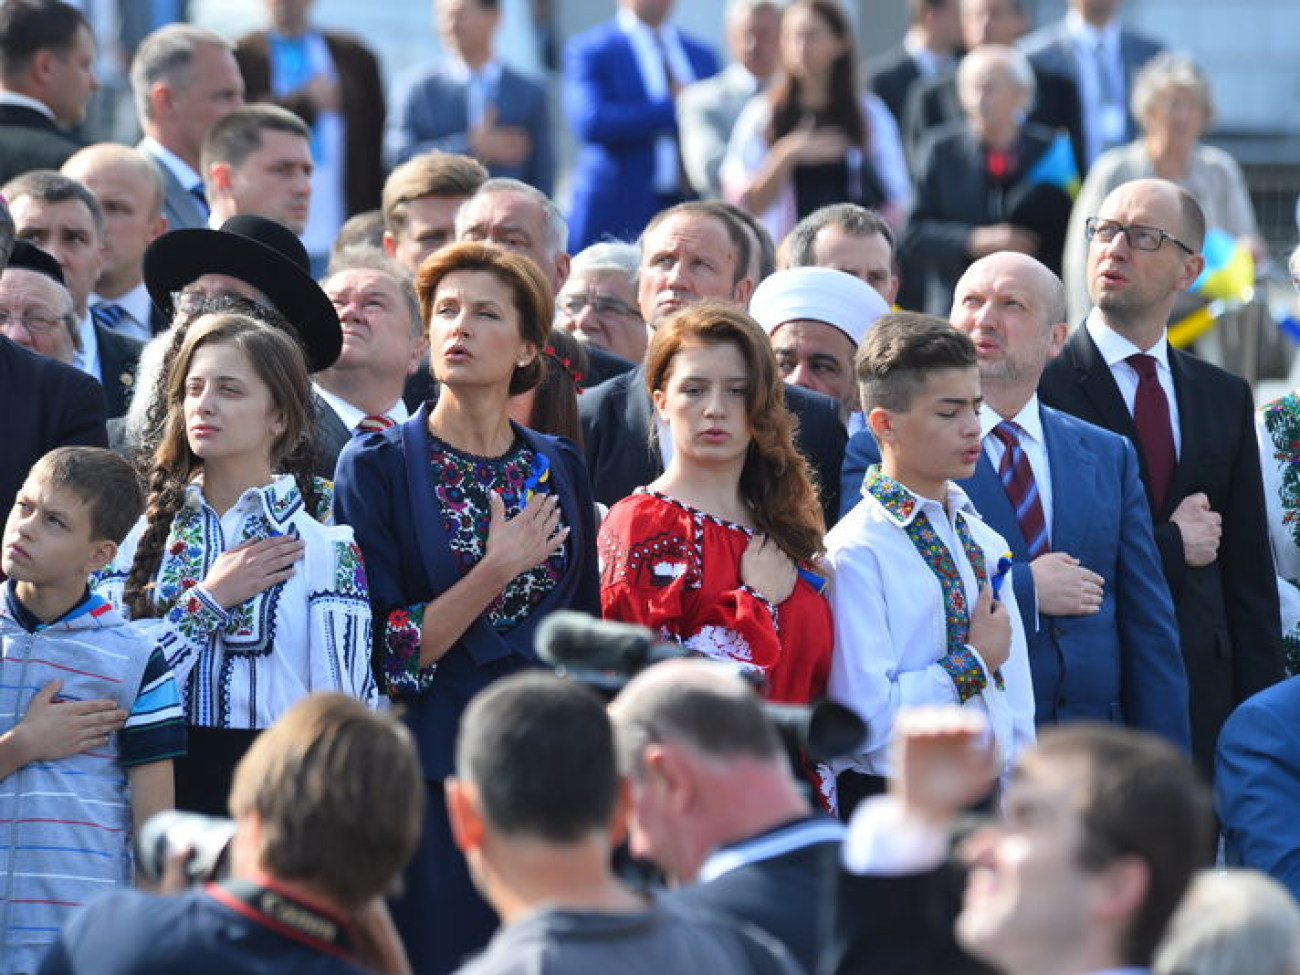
x,y
258,603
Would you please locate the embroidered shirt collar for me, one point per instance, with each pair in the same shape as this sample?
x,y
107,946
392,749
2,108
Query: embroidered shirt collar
x,y
278,500
903,504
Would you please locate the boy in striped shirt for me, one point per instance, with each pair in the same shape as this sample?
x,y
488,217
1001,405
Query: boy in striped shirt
x,y
70,802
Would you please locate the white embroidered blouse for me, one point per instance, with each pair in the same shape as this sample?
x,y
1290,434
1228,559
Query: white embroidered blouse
x,y
242,668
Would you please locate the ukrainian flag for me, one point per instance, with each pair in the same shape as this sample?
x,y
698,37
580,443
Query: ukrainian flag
x,y
1056,167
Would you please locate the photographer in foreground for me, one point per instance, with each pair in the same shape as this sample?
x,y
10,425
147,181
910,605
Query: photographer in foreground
x,y
714,804
327,807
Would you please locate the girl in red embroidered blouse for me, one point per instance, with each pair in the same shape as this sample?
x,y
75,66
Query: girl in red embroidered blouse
x,y
718,553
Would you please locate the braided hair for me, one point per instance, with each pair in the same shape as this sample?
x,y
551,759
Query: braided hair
x,y
279,362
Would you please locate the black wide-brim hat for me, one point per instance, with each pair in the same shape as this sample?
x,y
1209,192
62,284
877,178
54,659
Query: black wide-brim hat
x,y
267,255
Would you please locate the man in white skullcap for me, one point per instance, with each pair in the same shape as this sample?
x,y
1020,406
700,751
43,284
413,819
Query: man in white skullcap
x,y
815,318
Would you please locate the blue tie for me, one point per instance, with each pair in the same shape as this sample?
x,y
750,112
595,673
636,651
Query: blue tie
x,y
108,315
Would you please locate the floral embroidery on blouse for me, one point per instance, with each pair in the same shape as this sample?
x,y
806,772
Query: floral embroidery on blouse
x,y
961,663
1282,421
461,483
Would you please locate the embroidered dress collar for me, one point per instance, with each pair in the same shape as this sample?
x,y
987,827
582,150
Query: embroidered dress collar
x,y
279,501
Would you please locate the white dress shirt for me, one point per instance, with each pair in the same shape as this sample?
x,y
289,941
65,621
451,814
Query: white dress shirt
x,y
138,307
1105,124
87,360
1032,442
650,62
25,101
891,631
177,166
1115,350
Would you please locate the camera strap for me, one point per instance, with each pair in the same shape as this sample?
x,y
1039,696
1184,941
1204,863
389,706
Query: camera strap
x,y
286,914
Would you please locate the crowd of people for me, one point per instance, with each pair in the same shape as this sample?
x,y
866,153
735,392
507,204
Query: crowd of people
x,y
309,454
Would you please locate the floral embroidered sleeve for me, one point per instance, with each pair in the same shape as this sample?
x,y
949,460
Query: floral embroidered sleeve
x,y
340,626
400,660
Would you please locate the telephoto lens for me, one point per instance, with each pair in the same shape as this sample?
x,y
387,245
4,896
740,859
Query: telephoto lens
x,y
206,837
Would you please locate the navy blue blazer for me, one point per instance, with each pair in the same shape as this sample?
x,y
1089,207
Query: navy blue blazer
x,y
616,124
1257,784
429,112
1122,664
385,492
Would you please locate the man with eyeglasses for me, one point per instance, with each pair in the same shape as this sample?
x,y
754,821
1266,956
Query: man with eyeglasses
x,y
598,305
1193,426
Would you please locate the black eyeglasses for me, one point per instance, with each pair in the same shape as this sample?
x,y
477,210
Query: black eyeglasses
x,y
1140,236
572,305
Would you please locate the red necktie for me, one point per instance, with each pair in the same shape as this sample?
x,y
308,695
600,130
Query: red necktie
x,y
373,423
1022,490
1151,415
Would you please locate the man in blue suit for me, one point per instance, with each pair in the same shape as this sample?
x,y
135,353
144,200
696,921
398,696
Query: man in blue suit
x,y
474,105
621,81
1067,496
1257,783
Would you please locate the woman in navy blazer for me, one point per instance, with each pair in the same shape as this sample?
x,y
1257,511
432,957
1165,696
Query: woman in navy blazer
x,y
473,529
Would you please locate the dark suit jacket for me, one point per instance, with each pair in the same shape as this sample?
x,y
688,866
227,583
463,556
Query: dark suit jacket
x,y
603,365
616,125
954,195
46,404
1227,611
363,108
118,357
785,896
1257,788
1121,664
31,140
429,112
1051,49
331,437
891,75
933,102
618,425
384,490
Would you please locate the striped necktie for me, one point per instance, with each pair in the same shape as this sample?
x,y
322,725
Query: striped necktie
x,y
373,423
1018,479
107,314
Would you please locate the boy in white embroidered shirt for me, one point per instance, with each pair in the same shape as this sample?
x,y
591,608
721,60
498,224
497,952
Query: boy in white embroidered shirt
x,y
920,616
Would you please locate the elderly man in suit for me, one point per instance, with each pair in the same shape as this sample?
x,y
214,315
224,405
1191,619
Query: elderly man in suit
x,y
383,343
1101,56
1193,425
473,104
61,216
629,163
129,188
694,250
707,110
331,81
46,402
47,75
184,79
1067,497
